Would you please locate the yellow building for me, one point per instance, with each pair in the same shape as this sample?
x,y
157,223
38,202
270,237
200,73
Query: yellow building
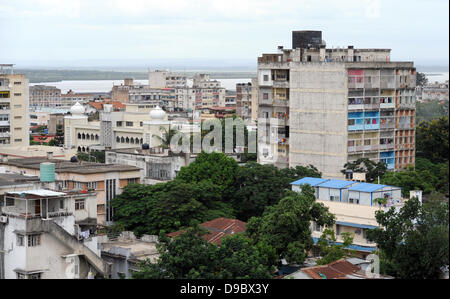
x,y
14,122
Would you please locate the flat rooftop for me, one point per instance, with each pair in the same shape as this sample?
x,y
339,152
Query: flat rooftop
x,y
80,167
11,179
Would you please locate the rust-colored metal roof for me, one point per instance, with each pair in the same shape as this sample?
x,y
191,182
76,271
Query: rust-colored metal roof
x,y
219,228
335,270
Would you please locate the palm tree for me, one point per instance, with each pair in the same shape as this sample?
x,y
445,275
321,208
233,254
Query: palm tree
x,y
166,136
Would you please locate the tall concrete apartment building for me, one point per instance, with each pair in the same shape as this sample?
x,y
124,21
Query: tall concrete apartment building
x,y
327,107
45,96
244,94
14,122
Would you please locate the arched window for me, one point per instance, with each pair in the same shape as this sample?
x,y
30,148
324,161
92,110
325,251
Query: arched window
x,y
83,149
142,140
118,139
92,137
79,148
137,140
83,136
122,140
127,140
79,135
88,136
96,137
132,140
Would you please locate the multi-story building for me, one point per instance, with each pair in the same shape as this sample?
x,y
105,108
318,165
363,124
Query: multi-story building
x,y
230,98
107,180
14,117
44,233
165,79
327,107
208,93
354,206
244,92
45,96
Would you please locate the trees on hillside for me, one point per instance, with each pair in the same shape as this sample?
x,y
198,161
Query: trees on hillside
x,y
286,225
414,242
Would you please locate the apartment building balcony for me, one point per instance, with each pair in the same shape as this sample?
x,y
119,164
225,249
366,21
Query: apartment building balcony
x,y
4,123
356,107
281,84
387,84
387,105
371,106
5,134
407,105
279,121
280,103
389,146
387,125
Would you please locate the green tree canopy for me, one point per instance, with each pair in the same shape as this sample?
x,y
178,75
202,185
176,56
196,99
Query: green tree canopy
x,y
414,242
286,225
432,140
190,256
332,251
167,207
215,167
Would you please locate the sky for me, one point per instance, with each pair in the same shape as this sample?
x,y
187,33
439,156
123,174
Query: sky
x,y
234,32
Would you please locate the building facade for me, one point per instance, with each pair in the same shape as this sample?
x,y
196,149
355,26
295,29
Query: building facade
x,y
14,101
327,107
244,93
45,96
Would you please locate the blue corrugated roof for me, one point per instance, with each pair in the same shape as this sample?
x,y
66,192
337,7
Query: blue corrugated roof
x,y
335,184
310,181
366,187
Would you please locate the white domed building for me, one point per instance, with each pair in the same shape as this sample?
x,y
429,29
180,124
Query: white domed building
x,y
137,125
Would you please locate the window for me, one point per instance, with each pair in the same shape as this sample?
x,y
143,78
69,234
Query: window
x,y
367,142
351,122
20,240
61,204
78,185
316,227
338,229
17,140
9,202
132,181
17,82
79,204
334,198
35,276
17,94
119,123
92,185
34,240
18,117
21,275
353,200
265,96
266,77
129,123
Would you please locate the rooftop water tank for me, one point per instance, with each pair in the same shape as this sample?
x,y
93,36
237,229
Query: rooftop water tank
x,y
47,170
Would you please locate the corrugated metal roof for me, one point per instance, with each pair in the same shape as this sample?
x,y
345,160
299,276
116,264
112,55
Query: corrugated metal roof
x,y
366,187
336,184
310,181
39,192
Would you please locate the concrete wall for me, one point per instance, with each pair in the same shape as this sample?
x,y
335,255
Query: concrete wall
x,y
318,117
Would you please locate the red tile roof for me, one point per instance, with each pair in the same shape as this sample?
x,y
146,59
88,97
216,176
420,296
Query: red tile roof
x,y
335,270
219,228
99,105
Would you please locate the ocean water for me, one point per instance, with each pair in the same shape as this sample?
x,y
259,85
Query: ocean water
x,y
437,76
106,85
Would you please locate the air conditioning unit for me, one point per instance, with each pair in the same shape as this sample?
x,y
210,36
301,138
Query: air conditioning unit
x,y
3,219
